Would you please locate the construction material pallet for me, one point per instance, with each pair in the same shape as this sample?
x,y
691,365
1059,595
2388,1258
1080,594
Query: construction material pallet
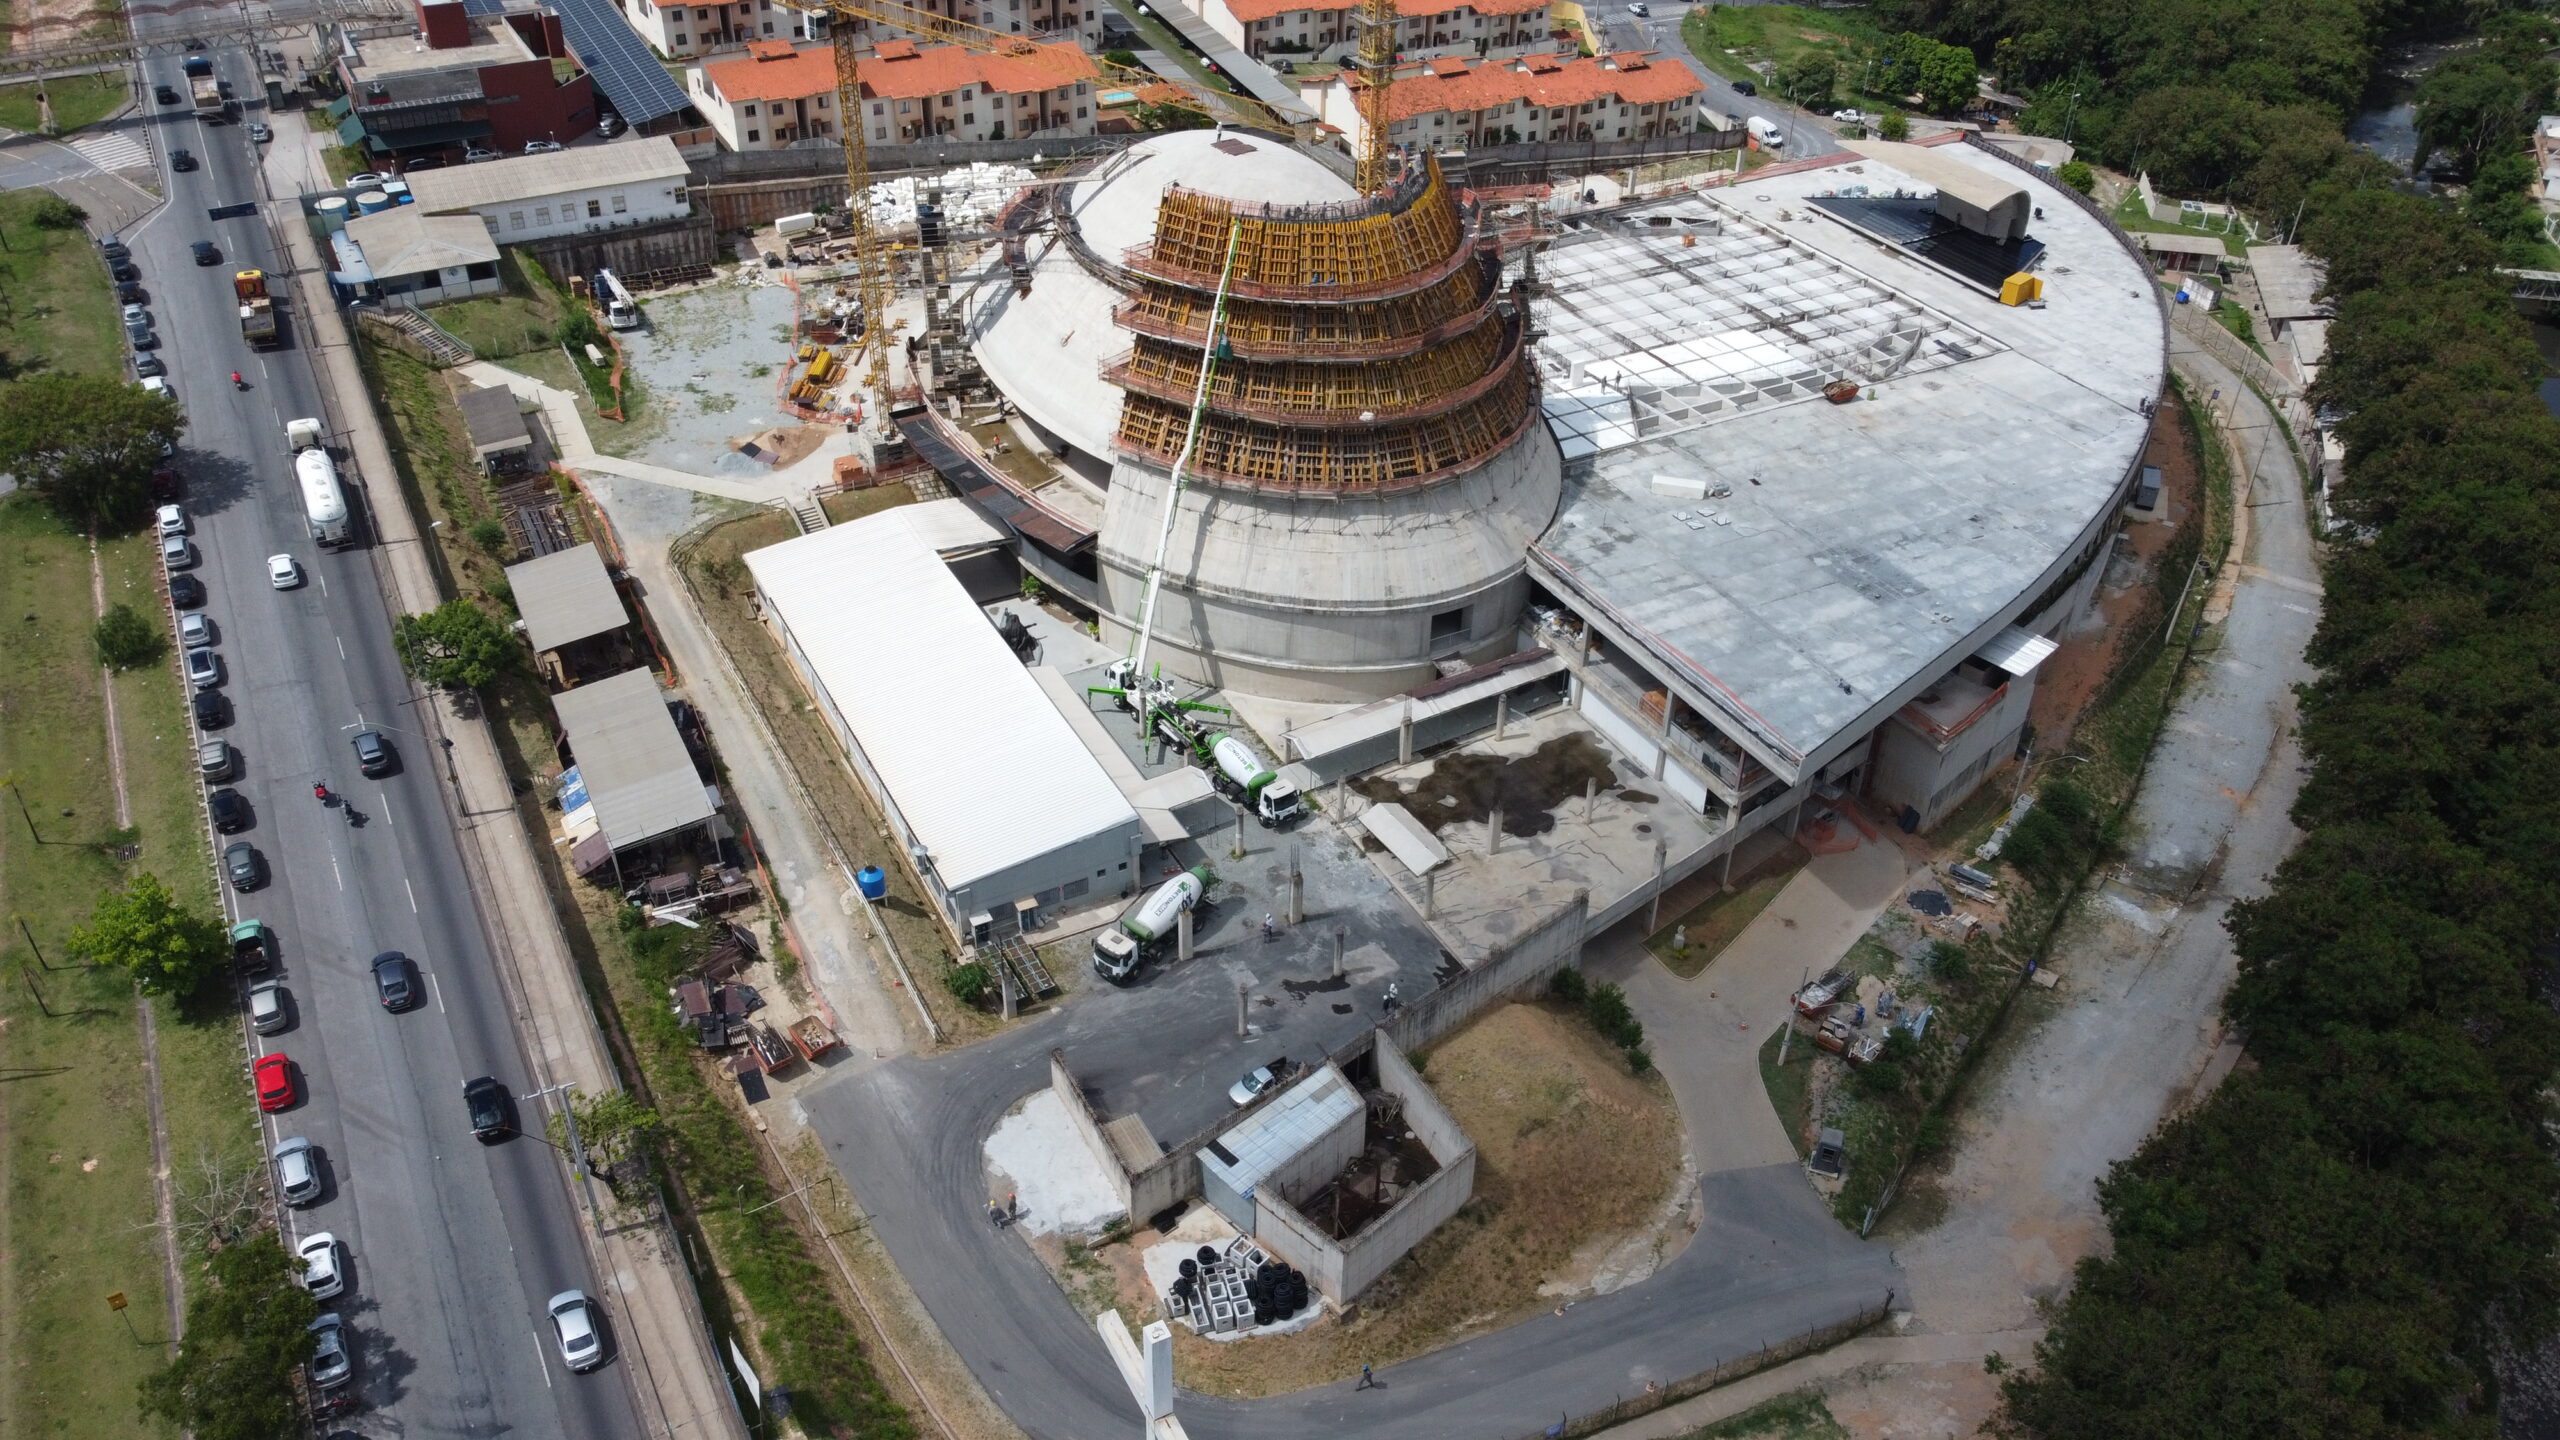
x,y
1030,977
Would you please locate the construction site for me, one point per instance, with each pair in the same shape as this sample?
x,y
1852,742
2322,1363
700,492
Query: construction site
x,y
1341,594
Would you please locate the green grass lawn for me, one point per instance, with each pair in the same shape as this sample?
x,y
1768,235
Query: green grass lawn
x,y
78,100
2131,214
525,318
1790,1086
343,161
57,310
76,1225
1728,38
1803,1415
1712,926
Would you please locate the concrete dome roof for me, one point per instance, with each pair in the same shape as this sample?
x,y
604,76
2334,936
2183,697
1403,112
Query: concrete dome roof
x,y
1117,207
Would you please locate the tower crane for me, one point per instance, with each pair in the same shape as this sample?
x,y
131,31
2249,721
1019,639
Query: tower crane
x,y
875,284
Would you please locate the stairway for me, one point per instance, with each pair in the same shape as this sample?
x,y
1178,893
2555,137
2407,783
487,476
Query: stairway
x,y
808,514
440,347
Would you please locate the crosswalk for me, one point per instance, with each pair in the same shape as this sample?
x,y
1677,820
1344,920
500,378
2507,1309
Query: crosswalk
x,y
112,150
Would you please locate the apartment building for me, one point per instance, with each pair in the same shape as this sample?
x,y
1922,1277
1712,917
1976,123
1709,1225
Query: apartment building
x,y
462,80
680,31
1280,30
778,95
1453,101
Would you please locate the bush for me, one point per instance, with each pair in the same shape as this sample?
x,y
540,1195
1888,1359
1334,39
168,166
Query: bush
x,y
55,213
1879,1080
2078,176
1894,126
124,639
1568,987
968,983
491,535
577,329
1126,59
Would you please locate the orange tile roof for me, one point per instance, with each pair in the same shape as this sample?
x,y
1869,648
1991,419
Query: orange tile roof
x,y
896,71
1484,84
1249,11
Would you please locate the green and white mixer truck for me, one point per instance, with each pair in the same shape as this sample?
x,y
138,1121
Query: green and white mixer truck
x,y
1119,949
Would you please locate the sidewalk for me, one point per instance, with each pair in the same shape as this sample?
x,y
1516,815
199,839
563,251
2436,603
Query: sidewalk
x,y
1708,1030
677,1379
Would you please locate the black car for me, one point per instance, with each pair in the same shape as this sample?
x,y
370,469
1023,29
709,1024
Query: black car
x,y
206,254
486,1099
373,754
230,812
130,292
164,94
1745,87
186,591
395,980
180,160
122,270
240,861
211,713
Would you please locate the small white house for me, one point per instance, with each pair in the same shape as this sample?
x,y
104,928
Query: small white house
x,y
570,192
416,259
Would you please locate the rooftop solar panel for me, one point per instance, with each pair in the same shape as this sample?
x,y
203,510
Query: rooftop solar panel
x,y
1916,226
484,7
624,69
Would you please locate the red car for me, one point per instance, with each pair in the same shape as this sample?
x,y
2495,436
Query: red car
x,y
274,1075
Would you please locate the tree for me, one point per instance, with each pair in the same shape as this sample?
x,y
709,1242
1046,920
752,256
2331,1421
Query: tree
x,y
86,444
612,1127
1894,126
1809,78
124,639
1125,59
968,983
1942,75
142,928
2477,104
248,1333
52,212
2077,175
457,644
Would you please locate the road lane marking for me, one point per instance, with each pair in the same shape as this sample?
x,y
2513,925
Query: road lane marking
x,y
542,1360
438,988
413,894
383,799
333,870
323,579
342,645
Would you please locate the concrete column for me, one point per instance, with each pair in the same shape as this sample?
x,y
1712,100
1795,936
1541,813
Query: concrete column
x,y
1653,912
1339,933
1662,733
1341,798
1244,997
1590,799
1726,879
1238,852
1404,736
1795,817
1430,883
1493,833
1297,893
1501,713
1182,935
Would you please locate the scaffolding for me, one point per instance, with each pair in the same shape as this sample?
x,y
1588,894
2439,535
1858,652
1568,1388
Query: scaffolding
x,y
1307,393
1373,330
1400,242
1264,456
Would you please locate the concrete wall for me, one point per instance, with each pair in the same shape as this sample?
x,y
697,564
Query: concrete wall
x,y
1549,946
1911,770
1430,730
669,245
1321,1161
1062,1082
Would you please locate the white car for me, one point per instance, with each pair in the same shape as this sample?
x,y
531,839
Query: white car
x,y
1255,1081
173,519
267,1014
331,1365
1850,117
260,134
297,1171
137,315
194,631
573,1319
283,573
542,147
363,180
204,669
320,1268
176,553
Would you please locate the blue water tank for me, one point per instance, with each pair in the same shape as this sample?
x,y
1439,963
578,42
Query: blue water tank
x,y
873,882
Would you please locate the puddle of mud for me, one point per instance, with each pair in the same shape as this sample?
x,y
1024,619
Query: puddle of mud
x,y
1527,788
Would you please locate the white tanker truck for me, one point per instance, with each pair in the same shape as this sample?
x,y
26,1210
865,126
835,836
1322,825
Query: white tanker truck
x,y
1118,950
1236,768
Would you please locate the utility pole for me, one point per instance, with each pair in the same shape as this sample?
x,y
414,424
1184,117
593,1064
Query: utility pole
x,y
1787,1019
577,1152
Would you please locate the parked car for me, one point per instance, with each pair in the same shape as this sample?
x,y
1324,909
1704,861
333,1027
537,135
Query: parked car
x,y
1259,1079
268,1012
1745,87
395,981
486,1100
320,1269
364,180
215,759
331,1363
473,155
121,270
142,337
246,868
573,1319
204,669
1850,117
181,161
282,572
130,292
212,712
177,552
147,366
154,385
274,1074
186,591
1824,991
207,253
1640,11
172,519
297,1171
136,313
373,754
259,134
541,147
195,630
608,126
230,812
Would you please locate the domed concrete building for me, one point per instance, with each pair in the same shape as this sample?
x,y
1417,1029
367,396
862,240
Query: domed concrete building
x,y
1370,471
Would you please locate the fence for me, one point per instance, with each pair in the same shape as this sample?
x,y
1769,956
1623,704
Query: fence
x,y
1723,1372
2210,337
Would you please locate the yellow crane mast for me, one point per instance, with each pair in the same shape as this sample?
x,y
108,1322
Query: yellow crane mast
x,y
875,277
1376,63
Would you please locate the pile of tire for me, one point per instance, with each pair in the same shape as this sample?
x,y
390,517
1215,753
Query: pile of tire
x,y
1278,1292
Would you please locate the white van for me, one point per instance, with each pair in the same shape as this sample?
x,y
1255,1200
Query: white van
x,y
1766,132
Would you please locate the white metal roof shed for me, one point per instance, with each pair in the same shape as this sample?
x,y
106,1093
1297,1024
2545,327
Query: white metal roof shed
x,y
566,596
637,770
981,767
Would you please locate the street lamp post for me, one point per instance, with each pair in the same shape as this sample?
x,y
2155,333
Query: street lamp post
x,y
576,1152
2071,117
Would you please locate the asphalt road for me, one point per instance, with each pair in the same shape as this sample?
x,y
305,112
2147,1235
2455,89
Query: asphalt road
x,y
455,1245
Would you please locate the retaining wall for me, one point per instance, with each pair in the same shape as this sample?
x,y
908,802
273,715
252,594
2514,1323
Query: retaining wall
x,y
1548,946
671,245
1062,1081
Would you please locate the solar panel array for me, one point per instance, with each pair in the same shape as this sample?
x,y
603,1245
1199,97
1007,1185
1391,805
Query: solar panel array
x,y
623,67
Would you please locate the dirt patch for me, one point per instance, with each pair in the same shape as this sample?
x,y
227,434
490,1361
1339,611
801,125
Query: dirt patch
x,y
1575,1164
1526,788
788,444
